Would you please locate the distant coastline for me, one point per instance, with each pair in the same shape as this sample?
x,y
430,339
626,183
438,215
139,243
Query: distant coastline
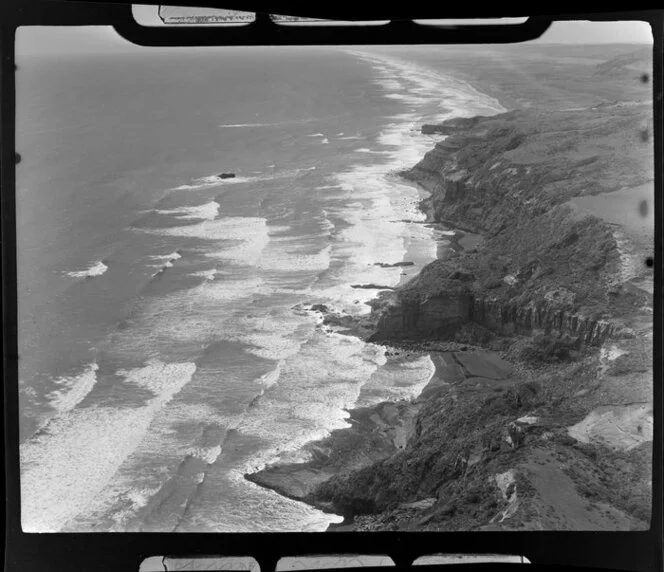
x,y
531,333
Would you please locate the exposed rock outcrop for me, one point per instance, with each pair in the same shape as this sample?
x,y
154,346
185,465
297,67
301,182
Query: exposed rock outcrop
x,y
546,266
549,426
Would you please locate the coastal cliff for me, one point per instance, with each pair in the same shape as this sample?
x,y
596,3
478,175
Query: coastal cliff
x,y
546,264
539,415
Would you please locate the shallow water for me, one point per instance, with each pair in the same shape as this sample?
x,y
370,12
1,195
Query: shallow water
x,y
166,349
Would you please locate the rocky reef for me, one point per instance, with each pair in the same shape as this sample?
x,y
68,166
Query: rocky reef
x,y
539,415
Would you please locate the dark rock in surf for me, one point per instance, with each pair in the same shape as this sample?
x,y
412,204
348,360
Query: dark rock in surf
x,y
372,286
226,175
395,265
429,129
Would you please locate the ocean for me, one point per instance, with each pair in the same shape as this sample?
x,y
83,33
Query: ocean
x,y
167,344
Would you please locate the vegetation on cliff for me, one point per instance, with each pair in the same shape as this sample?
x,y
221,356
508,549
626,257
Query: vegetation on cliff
x,y
514,178
539,415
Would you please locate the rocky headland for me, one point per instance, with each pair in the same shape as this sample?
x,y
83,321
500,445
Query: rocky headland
x,y
539,414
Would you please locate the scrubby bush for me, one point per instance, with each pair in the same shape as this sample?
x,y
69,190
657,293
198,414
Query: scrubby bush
x,y
550,349
493,283
473,495
640,510
514,141
523,394
508,402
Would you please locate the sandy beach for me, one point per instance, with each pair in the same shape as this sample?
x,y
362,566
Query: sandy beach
x,y
536,318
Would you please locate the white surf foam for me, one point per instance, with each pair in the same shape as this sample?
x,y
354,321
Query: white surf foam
x,y
96,269
73,389
257,124
277,259
318,381
247,252
25,390
211,181
316,385
406,98
326,225
207,211
370,237
274,336
271,377
269,124
428,83
390,84
207,274
167,257
167,261
154,462
132,500
249,233
379,216
365,150
64,467
226,288
207,454
402,381
162,379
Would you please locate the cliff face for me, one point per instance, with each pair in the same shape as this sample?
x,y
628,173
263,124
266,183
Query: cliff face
x,y
539,414
417,311
546,317
545,265
546,288
443,316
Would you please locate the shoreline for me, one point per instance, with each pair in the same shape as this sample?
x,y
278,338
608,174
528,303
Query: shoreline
x,y
460,241
463,238
540,349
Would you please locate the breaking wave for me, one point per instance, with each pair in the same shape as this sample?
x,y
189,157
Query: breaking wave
x,y
97,269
